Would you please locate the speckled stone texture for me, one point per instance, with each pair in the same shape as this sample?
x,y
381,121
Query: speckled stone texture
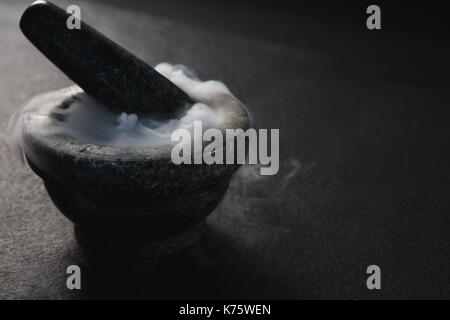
x,y
105,70
108,185
128,203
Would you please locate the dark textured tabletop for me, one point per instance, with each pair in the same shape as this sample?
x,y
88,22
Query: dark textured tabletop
x,y
364,174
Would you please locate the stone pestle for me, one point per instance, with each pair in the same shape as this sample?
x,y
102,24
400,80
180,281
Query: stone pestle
x,y
102,68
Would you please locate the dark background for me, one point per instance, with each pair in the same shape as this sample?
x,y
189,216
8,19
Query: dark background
x,y
364,129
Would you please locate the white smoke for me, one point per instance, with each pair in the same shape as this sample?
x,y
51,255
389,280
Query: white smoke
x,y
89,121
251,196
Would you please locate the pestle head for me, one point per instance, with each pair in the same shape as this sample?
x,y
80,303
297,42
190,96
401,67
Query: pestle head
x,y
102,68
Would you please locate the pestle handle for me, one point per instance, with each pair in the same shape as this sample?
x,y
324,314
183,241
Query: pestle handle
x,y
102,68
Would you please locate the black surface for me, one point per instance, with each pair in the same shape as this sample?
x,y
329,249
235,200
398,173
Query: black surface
x,y
364,175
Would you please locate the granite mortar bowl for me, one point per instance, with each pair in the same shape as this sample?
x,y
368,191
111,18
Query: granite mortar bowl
x,y
128,202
